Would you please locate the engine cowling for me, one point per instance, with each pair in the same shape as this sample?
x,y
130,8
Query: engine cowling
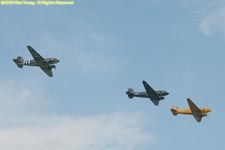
x,y
52,67
161,98
204,115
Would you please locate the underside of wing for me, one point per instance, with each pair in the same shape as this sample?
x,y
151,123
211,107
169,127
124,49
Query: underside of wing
x,y
196,112
199,119
151,93
47,71
37,57
155,102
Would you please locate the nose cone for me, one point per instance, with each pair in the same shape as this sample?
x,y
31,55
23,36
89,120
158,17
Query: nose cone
x,y
56,60
167,93
209,110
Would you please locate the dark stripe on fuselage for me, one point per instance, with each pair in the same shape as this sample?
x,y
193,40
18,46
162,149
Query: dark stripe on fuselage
x,y
30,63
27,63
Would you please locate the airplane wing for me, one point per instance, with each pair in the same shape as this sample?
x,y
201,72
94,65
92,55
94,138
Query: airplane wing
x,y
37,57
39,60
195,110
155,102
151,93
47,71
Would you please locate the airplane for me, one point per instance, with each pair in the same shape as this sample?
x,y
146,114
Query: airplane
x,y
46,64
197,112
154,96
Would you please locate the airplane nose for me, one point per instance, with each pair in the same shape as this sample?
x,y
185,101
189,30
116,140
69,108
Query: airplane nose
x,y
167,93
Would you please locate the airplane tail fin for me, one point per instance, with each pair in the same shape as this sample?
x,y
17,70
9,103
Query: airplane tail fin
x,y
174,110
19,61
130,93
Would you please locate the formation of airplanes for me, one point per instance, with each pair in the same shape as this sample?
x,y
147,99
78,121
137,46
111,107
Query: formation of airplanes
x,y
156,96
47,64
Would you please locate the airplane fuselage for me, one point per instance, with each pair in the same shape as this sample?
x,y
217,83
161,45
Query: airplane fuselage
x,y
160,93
189,112
49,61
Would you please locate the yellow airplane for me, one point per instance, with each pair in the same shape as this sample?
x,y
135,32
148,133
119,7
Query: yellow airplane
x,y
198,113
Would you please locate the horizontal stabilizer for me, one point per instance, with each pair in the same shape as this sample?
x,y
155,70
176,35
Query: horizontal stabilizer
x,y
130,93
174,110
19,61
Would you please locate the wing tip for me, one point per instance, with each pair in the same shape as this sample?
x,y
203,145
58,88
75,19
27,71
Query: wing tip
x,y
189,100
157,104
29,47
144,82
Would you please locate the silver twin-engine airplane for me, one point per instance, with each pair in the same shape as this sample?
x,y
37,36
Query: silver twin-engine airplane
x,y
154,96
46,64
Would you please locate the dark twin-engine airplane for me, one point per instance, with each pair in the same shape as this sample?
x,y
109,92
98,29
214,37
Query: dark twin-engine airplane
x,y
154,96
46,64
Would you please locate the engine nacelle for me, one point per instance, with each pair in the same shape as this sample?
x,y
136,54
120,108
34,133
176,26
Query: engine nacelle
x,y
161,98
52,67
204,115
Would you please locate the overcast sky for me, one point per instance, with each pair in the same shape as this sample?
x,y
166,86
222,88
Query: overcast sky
x,y
104,48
